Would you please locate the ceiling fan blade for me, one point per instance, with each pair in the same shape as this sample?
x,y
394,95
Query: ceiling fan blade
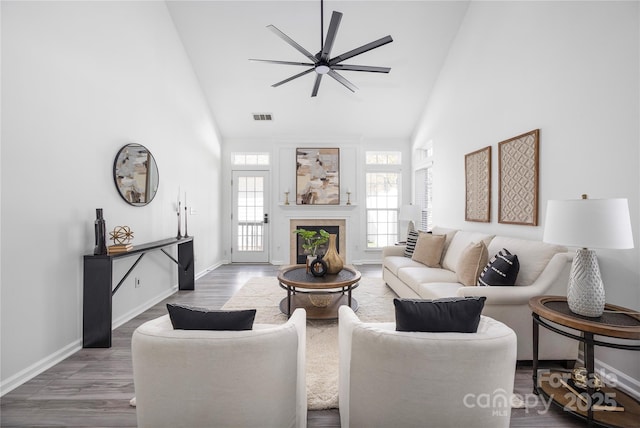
x,y
331,35
316,85
342,80
308,64
361,68
289,40
275,85
362,49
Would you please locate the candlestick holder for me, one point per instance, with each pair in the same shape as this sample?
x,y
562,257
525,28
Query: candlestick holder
x,y
179,235
348,198
286,198
186,233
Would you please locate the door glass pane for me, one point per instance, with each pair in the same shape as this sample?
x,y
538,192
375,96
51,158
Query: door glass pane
x,y
250,214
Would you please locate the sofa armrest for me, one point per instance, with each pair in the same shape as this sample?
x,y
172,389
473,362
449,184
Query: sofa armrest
x,y
552,281
393,250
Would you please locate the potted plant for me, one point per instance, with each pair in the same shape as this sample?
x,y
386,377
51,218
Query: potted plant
x,y
312,240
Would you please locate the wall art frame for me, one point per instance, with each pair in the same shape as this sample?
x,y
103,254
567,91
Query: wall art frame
x,y
518,168
477,173
318,176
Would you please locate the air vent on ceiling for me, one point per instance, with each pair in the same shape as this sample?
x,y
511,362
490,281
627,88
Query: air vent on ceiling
x,y
262,116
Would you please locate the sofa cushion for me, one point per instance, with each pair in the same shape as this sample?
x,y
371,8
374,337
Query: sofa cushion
x,y
502,269
459,242
472,260
449,233
454,314
438,290
533,255
412,238
184,317
395,263
414,276
429,249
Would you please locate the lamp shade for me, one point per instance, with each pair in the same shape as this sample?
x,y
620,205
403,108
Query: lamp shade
x,y
409,213
589,223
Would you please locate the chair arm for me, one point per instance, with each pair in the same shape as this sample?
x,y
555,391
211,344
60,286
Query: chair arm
x,y
551,281
346,323
299,320
393,250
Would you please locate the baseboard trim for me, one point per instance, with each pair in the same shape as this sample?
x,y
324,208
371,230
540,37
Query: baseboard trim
x,y
624,382
51,360
143,307
155,300
39,367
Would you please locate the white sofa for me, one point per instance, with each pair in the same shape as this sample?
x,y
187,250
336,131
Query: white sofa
x,y
391,378
198,378
544,270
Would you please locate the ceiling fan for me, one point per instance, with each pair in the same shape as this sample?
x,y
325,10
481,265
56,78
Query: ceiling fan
x,y
322,63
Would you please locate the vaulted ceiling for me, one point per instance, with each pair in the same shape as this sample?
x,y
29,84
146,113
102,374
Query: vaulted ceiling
x,y
221,36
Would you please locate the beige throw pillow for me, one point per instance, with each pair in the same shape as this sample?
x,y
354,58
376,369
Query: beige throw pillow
x,y
428,249
472,260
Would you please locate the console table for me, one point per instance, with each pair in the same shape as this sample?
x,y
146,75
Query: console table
x,y
617,323
98,283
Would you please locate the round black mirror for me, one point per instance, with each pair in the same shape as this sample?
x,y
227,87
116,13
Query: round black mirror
x,y
136,174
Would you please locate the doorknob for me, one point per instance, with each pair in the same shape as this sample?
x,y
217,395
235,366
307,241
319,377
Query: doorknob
x,y
266,218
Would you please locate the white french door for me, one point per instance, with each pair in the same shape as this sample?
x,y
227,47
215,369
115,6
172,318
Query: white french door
x,y
250,228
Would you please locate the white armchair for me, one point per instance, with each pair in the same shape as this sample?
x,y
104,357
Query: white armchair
x,y
407,379
196,378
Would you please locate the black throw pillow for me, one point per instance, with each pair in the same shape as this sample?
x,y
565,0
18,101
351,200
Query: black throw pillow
x,y
456,314
502,269
412,238
184,317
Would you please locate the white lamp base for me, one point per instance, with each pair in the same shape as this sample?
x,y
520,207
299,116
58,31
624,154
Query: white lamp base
x,y
585,293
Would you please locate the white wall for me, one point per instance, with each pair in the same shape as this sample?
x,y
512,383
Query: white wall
x,y
570,69
80,80
282,150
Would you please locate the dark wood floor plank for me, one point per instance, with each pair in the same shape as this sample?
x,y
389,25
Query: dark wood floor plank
x,y
92,388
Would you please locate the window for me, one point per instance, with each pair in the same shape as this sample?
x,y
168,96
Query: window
x,y
424,185
382,183
424,197
250,158
384,158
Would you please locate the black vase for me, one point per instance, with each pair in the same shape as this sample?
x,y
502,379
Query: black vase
x,y
100,232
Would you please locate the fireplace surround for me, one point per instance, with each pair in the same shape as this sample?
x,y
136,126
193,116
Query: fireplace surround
x,y
330,225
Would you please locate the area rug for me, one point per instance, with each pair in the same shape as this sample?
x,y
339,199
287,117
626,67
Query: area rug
x,y
375,301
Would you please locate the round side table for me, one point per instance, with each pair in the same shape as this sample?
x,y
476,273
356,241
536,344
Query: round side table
x,y
618,323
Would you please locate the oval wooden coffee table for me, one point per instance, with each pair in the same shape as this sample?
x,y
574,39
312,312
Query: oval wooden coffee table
x,y
319,296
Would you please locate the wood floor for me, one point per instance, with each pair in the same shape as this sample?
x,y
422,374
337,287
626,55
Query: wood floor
x,y
92,388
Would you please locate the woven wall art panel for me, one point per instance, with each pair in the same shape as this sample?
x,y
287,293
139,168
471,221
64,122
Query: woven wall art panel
x,y
477,168
518,179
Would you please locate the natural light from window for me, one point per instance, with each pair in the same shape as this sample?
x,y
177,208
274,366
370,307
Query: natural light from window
x,y
249,159
382,180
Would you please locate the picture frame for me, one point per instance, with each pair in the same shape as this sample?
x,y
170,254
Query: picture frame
x,y
518,166
477,171
317,176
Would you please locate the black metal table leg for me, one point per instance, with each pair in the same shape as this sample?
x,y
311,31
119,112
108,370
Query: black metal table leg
x,y
536,344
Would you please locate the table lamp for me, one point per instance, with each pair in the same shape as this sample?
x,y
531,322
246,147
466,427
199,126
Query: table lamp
x,y
409,213
588,223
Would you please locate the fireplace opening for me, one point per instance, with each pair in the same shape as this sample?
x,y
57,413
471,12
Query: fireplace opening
x,y
333,226
301,255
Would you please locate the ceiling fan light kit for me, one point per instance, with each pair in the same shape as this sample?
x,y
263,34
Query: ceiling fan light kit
x,y
322,63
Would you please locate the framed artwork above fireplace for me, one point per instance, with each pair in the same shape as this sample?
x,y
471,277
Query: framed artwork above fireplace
x,y
318,176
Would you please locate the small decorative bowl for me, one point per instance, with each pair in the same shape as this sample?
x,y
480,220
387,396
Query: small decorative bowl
x,y
579,377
